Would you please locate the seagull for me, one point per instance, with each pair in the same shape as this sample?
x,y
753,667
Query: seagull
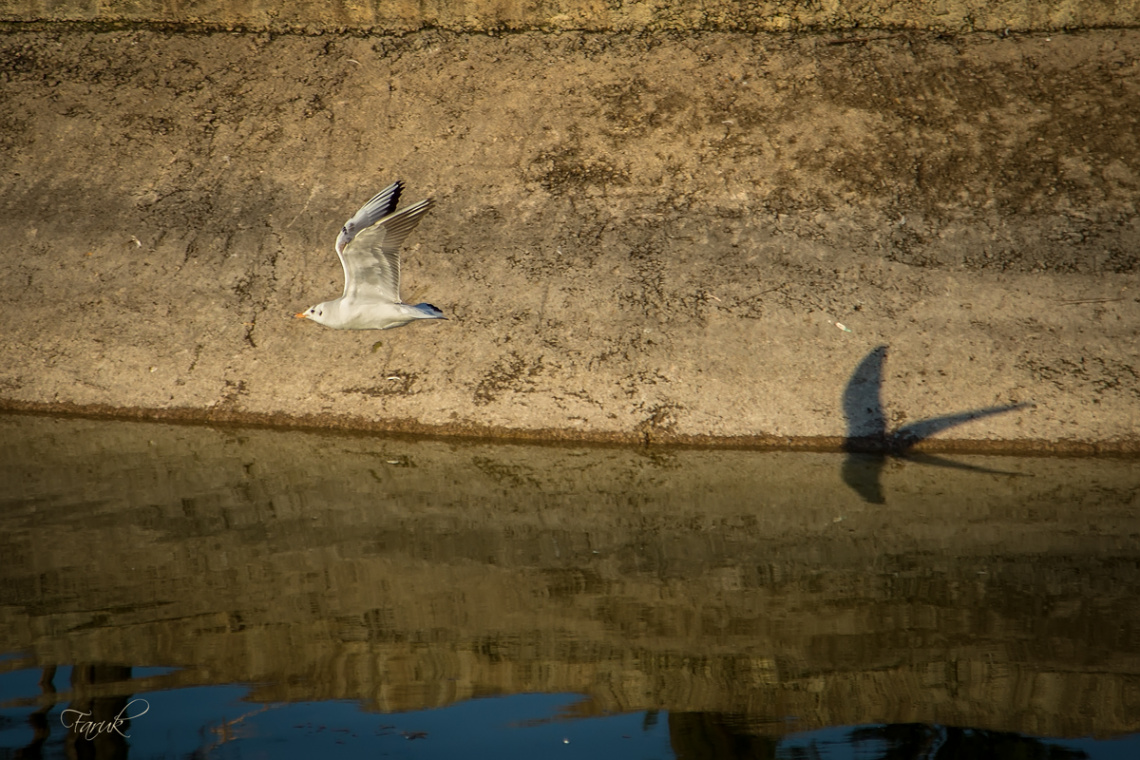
x,y
369,250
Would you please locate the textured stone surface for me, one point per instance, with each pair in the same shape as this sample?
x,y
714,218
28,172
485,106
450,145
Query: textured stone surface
x,y
590,15
635,236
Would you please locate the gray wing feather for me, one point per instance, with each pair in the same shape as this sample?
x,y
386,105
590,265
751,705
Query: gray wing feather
x,y
381,205
372,259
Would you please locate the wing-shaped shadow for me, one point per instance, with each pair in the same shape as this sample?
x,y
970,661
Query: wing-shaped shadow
x,y
908,435
866,439
869,445
863,402
863,473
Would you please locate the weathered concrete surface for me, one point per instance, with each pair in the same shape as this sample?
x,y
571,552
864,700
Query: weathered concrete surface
x,y
614,15
649,236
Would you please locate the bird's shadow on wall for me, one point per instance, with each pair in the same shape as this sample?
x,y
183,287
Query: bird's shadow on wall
x,y
868,443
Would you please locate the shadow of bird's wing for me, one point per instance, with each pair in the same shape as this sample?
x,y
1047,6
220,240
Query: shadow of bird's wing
x,y
862,399
863,473
909,435
936,461
866,428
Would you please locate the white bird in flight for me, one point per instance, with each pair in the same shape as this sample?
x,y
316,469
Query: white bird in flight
x,y
369,249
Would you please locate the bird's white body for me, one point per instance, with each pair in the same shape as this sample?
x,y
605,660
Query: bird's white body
x,y
369,251
369,314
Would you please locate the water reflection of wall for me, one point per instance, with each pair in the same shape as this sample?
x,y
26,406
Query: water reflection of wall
x,y
410,574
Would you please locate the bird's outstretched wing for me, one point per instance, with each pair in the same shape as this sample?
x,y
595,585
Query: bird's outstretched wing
x,y
381,205
372,259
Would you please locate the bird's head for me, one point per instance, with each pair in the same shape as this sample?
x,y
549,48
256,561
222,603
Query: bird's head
x,y
316,313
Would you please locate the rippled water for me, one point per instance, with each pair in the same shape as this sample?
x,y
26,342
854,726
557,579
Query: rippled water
x,y
252,593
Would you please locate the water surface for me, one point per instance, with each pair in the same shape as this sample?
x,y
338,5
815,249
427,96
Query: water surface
x,y
279,594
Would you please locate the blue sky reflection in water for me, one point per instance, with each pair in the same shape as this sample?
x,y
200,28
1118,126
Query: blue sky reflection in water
x,y
218,722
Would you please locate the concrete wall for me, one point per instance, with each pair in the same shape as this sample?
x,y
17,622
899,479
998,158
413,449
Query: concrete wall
x,y
388,16
703,238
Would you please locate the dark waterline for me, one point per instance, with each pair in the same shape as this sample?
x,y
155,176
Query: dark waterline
x,y
428,599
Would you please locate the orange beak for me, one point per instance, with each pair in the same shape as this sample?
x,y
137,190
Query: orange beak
x,y
301,315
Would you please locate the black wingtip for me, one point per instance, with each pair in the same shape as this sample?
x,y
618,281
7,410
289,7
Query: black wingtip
x,y
395,200
430,310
